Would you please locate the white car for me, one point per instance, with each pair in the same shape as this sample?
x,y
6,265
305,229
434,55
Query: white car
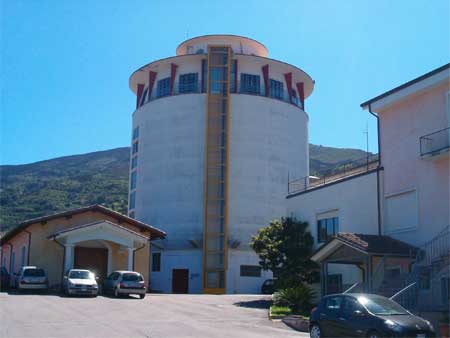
x,y
80,282
31,278
125,283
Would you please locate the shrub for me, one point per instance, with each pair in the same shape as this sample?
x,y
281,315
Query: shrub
x,y
298,298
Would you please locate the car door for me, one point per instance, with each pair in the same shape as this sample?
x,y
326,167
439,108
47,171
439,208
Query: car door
x,y
354,320
329,317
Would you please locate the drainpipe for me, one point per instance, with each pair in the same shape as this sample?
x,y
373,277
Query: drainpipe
x,y
378,170
134,251
29,246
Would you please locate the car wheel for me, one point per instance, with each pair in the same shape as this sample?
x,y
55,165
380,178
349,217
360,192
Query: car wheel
x,y
142,296
116,292
314,332
373,334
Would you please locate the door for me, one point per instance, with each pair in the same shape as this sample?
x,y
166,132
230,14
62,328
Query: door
x,y
329,317
180,281
354,321
93,259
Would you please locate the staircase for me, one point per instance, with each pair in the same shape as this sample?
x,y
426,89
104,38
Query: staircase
x,y
426,287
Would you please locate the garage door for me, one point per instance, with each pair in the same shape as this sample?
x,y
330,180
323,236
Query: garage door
x,y
94,259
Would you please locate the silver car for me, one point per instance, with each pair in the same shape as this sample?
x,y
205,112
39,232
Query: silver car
x,y
31,278
80,282
125,283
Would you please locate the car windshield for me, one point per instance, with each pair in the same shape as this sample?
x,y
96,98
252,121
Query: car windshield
x,y
132,277
381,306
34,273
81,275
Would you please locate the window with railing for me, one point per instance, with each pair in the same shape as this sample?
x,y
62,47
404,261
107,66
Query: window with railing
x,y
250,84
163,87
188,83
144,97
276,89
435,143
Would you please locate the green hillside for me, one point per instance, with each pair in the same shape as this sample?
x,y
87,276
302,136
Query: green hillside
x,y
46,187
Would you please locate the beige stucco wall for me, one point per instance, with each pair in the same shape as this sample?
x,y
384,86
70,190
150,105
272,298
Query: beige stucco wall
x,y
49,255
426,210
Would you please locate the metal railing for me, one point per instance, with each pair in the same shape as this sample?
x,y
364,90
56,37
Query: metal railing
x,y
341,170
437,248
435,143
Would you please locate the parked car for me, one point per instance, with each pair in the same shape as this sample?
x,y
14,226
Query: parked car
x,y
268,287
365,315
5,279
80,282
31,278
125,283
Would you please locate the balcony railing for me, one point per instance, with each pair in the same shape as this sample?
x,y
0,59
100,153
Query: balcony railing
x,y
339,172
435,143
196,89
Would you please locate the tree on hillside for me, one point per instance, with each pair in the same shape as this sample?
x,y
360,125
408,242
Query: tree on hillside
x,y
285,247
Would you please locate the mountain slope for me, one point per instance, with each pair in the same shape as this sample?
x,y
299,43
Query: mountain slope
x,y
46,187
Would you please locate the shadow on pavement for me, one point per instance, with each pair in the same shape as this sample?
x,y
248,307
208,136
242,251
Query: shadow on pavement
x,y
255,304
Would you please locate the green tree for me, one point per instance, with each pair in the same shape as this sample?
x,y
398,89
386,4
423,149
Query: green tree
x,y
285,247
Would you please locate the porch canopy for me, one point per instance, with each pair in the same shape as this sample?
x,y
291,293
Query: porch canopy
x,y
367,252
104,232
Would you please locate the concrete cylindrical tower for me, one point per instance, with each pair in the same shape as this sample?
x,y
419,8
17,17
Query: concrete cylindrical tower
x,y
216,131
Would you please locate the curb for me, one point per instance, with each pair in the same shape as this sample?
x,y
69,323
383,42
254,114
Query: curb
x,y
296,322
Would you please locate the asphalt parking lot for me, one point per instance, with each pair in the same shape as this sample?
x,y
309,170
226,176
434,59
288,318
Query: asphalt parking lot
x,y
158,315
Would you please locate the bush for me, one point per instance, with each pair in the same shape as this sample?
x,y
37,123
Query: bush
x,y
298,298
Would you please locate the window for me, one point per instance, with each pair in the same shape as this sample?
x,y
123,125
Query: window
x,y
204,75
333,304
276,89
132,277
135,133
131,214
233,76
135,147
22,262
156,261
351,305
250,84
133,180
188,83
294,97
163,88
134,162
132,200
250,271
144,96
424,280
114,276
326,228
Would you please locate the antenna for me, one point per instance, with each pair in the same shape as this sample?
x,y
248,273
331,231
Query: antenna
x,y
367,143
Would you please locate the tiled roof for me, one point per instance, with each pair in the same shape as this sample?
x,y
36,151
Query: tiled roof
x,y
377,244
155,232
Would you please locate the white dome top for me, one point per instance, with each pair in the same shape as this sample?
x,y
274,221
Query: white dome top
x,y
239,44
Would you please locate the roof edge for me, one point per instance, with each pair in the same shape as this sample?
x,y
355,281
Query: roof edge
x,y
405,85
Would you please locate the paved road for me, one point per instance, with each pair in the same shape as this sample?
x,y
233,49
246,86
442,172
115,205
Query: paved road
x,y
230,316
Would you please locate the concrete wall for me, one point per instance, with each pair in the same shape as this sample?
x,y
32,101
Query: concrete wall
x,y
353,200
416,190
178,259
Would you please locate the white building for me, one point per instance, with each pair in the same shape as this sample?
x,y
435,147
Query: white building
x,y
385,222
217,130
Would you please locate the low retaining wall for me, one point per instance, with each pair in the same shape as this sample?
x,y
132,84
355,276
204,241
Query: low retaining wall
x,y
297,322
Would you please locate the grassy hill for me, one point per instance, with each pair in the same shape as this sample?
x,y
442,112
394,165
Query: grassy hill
x,y
46,187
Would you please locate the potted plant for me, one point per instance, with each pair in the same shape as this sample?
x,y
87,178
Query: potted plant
x,y
444,326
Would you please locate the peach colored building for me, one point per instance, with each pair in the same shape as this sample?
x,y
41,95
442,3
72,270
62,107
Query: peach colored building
x,y
93,237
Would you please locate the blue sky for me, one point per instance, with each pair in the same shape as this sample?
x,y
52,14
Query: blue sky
x,y
65,64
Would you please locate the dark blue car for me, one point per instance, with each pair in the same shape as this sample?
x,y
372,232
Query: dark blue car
x,y
365,315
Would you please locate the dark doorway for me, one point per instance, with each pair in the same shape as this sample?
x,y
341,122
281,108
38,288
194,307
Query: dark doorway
x,y
93,259
180,281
